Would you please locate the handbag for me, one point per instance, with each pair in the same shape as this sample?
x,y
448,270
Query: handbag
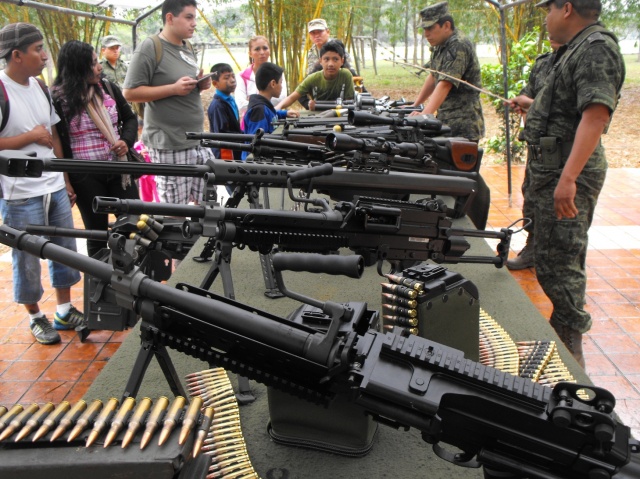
x,y
134,156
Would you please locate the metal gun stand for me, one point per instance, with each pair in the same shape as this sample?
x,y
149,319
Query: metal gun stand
x,y
123,263
222,250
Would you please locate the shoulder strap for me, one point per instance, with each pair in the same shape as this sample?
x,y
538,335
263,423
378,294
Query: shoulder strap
x,y
190,46
45,89
107,84
4,105
157,44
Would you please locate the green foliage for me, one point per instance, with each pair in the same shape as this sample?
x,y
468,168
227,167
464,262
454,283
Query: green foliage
x,y
521,58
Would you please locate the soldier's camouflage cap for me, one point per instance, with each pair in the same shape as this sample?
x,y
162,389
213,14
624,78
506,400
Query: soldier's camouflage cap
x,y
586,4
431,14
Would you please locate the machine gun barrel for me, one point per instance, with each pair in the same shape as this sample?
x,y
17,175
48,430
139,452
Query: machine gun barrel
x,y
292,338
43,230
103,204
424,122
270,174
232,141
19,164
508,424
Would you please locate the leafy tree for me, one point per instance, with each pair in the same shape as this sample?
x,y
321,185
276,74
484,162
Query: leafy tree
x,y
518,70
623,17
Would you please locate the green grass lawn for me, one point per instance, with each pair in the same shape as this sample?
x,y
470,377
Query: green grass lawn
x,y
397,78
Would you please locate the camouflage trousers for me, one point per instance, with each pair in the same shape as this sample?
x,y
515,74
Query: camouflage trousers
x,y
561,245
528,205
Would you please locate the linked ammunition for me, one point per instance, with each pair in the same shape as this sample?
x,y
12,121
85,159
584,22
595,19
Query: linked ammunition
x,y
203,430
8,416
118,420
136,421
153,420
69,419
221,419
229,451
207,382
400,311
400,320
208,373
408,282
399,300
171,418
34,421
235,440
229,473
85,419
399,290
3,411
227,462
51,420
102,420
19,421
227,435
146,230
140,240
190,419
155,225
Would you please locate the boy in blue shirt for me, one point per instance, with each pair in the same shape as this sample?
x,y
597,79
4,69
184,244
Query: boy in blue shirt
x,y
223,111
260,112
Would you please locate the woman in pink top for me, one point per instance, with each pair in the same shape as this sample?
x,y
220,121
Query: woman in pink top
x,y
259,52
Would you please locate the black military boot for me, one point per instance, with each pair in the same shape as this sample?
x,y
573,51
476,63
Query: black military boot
x,y
525,256
571,338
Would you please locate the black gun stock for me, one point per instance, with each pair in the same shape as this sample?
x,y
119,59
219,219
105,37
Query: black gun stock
x,y
512,426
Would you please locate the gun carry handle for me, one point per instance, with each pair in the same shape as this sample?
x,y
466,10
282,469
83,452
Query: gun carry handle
x,y
322,170
351,266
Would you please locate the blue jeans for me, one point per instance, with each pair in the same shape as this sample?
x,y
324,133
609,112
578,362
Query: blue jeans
x,y
27,285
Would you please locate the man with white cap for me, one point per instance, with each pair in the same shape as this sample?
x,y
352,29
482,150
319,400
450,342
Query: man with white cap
x,y
457,104
30,126
112,65
319,35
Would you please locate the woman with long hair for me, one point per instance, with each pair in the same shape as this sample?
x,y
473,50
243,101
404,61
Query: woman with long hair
x,y
259,52
96,123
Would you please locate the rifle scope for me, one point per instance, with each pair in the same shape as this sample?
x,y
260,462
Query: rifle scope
x,y
342,142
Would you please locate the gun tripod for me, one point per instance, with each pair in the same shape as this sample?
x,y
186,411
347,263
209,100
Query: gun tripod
x,y
222,252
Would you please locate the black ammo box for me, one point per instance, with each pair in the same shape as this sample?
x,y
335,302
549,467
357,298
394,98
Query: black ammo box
x,y
99,313
342,428
448,308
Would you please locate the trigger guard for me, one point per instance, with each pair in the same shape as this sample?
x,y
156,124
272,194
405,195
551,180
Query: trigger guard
x,y
461,459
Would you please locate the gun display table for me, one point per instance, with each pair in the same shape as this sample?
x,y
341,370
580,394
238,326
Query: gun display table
x,y
395,453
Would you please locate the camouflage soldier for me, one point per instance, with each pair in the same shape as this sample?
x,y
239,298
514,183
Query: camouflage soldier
x,y
112,65
458,105
319,35
566,163
538,74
